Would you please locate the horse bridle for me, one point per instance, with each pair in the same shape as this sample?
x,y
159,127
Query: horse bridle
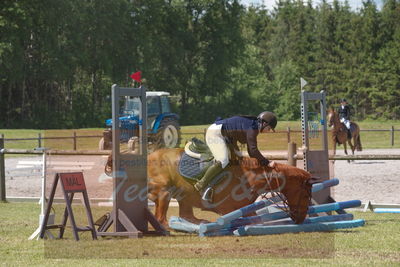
x,y
285,202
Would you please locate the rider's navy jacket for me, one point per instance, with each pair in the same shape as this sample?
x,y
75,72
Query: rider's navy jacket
x,y
243,129
344,112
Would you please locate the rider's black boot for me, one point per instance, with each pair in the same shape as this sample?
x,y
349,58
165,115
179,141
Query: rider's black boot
x,y
348,134
208,176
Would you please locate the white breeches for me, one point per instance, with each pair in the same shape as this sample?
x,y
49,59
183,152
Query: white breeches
x,y
346,122
217,145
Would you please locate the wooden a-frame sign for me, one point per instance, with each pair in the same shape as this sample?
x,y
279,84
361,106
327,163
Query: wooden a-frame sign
x,y
71,183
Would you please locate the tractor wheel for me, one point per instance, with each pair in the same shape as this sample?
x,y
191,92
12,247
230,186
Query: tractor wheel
x,y
168,135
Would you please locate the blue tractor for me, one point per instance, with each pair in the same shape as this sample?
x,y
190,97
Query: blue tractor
x,y
162,125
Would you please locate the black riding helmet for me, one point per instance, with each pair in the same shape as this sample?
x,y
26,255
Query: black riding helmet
x,y
268,118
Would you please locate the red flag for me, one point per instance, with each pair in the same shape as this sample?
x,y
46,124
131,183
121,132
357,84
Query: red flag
x,y
137,76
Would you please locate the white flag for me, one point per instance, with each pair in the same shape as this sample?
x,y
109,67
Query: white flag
x,y
302,83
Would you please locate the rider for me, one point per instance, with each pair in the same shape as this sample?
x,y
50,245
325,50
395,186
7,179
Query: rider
x,y
344,115
243,129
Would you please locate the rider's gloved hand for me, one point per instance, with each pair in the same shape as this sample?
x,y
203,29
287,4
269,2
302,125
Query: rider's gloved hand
x,y
271,164
264,162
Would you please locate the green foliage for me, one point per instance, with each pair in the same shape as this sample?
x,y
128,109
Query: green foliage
x,y
58,59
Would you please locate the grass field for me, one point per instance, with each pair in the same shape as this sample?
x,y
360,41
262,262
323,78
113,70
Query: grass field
x,y
269,141
376,244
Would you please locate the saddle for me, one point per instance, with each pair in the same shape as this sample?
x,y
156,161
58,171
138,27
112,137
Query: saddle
x,y
195,160
349,131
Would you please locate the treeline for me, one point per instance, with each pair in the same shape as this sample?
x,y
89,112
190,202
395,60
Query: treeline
x,y
59,58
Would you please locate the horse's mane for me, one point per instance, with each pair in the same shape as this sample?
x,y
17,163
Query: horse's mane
x,y
287,170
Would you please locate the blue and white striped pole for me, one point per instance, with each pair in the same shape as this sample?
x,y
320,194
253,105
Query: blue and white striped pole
x,y
277,215
225,219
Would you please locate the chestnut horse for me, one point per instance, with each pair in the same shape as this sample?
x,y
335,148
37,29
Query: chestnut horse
x,y
241,185
339,133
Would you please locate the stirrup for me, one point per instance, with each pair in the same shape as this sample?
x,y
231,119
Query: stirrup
x,y
208,194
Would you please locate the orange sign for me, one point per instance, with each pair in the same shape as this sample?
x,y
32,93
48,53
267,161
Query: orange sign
x,y
73,182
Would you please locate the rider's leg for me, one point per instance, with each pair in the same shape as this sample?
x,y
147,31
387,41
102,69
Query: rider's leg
x,y
347,124
219,149
208,176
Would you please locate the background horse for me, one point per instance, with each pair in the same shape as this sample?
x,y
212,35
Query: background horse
x,y
242,184
339,133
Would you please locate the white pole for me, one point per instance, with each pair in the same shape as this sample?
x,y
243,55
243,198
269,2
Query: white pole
x,y
43,202
43,197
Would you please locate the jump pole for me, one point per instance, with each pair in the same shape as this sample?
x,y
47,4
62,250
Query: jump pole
x,y
227,218
314,227
268,217
311,220
281,214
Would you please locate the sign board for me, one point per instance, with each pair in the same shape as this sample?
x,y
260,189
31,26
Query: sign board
x,y
71,183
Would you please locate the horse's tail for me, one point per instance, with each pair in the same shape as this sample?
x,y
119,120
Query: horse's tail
x,y
359,146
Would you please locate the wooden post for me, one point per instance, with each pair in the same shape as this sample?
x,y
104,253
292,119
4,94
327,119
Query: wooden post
x,y
2,172
74,137
288,134
292,150
39,140
392,133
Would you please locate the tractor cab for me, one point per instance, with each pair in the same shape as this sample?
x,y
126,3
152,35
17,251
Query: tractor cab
x,y
162,125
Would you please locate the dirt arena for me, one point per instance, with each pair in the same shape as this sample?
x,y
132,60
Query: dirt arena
x,y
374,180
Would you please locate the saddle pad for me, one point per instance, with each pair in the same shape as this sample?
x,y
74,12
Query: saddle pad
x,y
353,128
192,168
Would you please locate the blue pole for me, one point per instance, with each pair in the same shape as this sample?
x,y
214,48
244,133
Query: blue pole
x,y
225,219
277,215
296,228
325,184
334,206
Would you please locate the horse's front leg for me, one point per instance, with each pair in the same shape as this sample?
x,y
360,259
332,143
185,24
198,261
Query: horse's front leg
x,y
345,150
334,149
161,208
186,211
161,197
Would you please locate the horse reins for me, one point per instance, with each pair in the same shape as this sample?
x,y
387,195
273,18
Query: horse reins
x,y
285,202
275,194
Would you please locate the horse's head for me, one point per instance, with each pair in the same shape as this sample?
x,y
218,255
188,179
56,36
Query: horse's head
x,y
297,190
294,183
331,117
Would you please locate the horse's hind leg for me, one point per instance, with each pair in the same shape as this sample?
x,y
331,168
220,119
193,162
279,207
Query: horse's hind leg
x,y
334,150
351,146
345,150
